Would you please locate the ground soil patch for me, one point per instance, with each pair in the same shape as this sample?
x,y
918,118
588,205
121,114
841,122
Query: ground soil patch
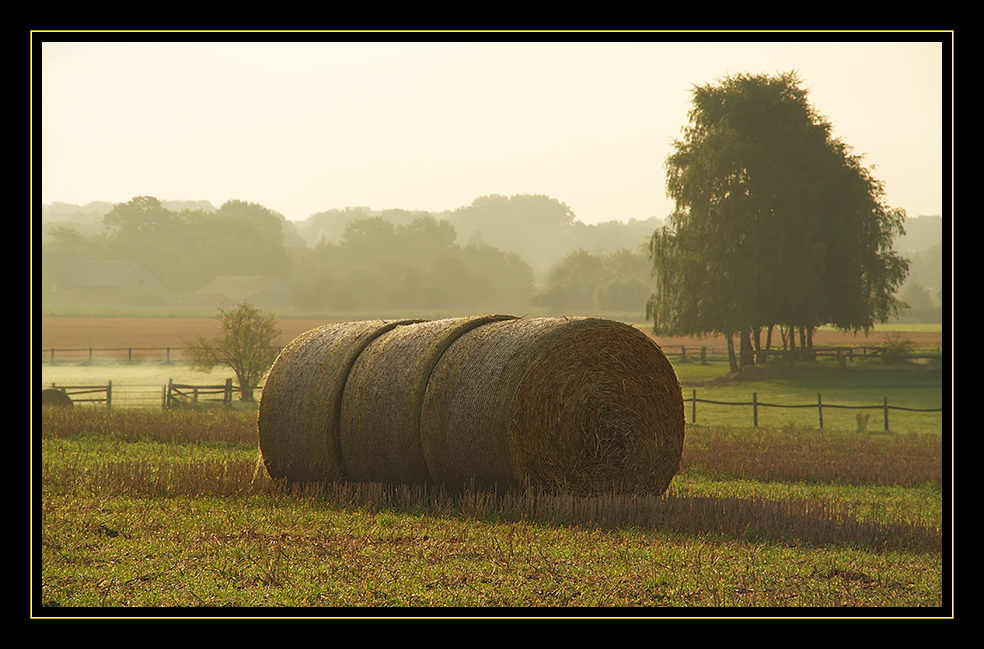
x,y
143,332
175,332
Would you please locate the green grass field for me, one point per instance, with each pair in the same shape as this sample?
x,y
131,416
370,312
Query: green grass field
x,y
147,510
861,386
143,509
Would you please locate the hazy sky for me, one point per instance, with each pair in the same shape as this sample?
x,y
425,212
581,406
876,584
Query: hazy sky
x,y
304,127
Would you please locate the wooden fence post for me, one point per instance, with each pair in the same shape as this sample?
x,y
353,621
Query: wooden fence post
x,y
755,409
109,394
170,383
820,408
52,355
693,409
703,355
227,397
885,406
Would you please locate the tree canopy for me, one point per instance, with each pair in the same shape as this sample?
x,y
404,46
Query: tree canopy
x,y
189,247
247,345
776,222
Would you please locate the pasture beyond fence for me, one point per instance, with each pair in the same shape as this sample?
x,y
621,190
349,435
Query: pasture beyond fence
x,y
755,405
174,395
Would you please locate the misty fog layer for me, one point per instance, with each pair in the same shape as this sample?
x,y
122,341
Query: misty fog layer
x,y
519,254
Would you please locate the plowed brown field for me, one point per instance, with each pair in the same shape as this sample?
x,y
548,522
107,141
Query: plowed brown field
x,y
74,333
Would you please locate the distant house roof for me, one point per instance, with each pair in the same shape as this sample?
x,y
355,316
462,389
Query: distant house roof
x,y
258,289
102,282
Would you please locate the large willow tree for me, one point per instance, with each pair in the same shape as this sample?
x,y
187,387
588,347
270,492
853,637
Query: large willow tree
x,y
777,225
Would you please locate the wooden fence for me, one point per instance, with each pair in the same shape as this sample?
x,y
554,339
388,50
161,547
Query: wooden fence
x,y
171,395
179,393
842,354
703,353
819,405
115,354
76,391
176,394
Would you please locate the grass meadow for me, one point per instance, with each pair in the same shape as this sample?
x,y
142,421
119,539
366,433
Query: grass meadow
x,y
141,509
149,512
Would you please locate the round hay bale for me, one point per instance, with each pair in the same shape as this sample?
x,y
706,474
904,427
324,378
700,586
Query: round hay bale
x,y
379,425
55,397
580,405
299,408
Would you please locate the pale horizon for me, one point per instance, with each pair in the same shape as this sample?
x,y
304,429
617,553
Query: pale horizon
x,y
306,127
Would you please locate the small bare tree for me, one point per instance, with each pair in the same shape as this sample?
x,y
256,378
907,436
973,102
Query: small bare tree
x,y
247,345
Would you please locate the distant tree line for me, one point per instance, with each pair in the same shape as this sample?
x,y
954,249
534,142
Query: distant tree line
x,y
378,264
499,253
778,229
185,249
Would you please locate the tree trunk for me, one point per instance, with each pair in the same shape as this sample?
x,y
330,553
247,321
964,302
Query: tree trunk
x,y
245,392
732,361
759,357
745,343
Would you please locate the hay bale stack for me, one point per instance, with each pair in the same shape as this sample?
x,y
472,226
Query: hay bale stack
x,y
582,405
380,414
300,405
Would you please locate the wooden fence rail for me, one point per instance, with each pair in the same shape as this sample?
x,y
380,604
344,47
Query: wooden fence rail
x,y
684,352
173,394
196,393
843,354
74,391
88,354
819,405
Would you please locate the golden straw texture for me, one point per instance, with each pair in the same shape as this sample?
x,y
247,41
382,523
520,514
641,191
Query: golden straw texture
x,y
574,405
380,417
300,405
581,405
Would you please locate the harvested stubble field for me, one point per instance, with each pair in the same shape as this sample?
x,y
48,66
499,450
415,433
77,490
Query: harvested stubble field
x,y
142,508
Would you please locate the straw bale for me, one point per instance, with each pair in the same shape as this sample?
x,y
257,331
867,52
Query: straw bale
x,y
379,426
300,404
580,405
55,397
